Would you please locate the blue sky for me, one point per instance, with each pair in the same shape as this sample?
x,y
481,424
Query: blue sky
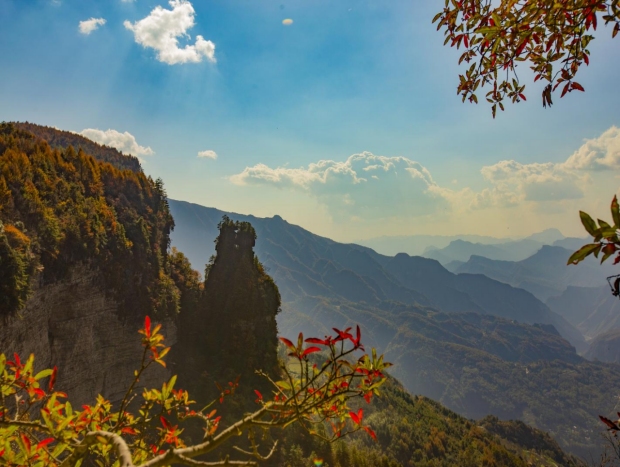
x,y
347,77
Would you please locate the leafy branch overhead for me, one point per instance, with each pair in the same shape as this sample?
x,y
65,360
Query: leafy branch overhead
x,y
39,426
552,36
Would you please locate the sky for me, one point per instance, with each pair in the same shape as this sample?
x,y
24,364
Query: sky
x,y
338,115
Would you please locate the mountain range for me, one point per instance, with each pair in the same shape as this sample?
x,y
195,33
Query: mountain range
x,y
544,274
475,344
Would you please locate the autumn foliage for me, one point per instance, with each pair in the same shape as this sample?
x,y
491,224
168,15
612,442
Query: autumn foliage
x,y
39,426
552,36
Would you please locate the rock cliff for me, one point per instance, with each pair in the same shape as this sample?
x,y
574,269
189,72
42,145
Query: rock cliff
x,y
75,325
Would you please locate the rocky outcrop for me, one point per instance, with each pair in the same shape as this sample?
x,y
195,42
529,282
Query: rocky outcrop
x,y
76,326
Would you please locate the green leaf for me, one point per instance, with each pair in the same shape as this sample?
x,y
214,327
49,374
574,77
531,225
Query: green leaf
x,y
583,252
171,383
604,225
588,223
615,211
284,384
43,374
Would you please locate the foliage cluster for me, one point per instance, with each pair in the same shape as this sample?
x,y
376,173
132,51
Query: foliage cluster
x,y
59,207
39,427
553,36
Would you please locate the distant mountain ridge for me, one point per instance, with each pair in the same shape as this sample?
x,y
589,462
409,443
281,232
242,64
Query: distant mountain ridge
x,y
544,274
418,245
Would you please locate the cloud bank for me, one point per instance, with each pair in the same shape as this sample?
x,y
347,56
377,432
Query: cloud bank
x,y
124,142
90,25
365,185
161,31
515,183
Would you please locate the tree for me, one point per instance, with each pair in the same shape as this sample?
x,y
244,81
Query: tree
x,y
314,393
551,35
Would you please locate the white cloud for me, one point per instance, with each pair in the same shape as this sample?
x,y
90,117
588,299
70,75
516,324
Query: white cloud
x,y
90,25
161,30
124,142
365,185
514,183
208,154
600,153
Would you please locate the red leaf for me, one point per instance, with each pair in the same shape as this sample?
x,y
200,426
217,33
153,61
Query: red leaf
x,y
310,350
165,422
53,378
586,59
288,343
354,418
44,442
578,87
371,433
314,340
522,96
129,431
260,396
17,362
212,413
565,90
147,326
26,442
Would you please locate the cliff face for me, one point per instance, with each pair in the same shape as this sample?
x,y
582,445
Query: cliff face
x,y
74,325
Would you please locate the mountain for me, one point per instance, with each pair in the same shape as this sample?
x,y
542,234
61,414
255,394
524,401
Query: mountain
x,y
418,244
547,237
572,243
592,310
544,274
605,347
460,250
469,359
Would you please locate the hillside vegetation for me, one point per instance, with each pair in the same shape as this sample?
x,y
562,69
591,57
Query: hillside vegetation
x,y
60,207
